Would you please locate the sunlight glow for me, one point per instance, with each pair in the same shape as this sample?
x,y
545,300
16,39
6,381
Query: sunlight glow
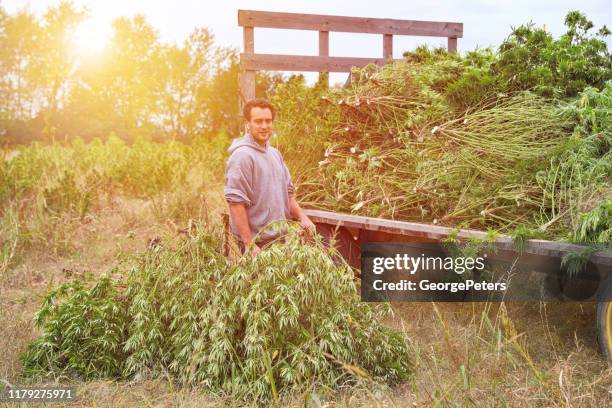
x,y
92,35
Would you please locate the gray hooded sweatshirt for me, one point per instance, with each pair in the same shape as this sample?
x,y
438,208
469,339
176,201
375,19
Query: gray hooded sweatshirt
x,y
257,176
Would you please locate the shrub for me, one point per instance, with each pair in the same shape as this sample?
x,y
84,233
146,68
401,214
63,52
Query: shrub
x,y
531,59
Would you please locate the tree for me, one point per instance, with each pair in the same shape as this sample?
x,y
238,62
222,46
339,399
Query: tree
x,y
36,68
118,89
187,72
57,61
19,50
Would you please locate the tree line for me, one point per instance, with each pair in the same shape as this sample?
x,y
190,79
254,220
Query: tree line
x,y
137,86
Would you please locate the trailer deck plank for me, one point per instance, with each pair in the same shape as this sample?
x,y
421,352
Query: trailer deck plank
x,y
540,247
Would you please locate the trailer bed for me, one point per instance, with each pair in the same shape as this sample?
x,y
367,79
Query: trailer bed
x,y
369,229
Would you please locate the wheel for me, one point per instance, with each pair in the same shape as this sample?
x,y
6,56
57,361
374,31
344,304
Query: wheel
x,y
604,328
604,319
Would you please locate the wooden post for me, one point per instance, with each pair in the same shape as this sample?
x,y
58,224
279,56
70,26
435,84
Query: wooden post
x,y
324,52
247,77
387,46
452,45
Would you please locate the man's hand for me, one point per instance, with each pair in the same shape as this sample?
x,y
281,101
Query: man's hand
x,y
255,250
297,213
308,225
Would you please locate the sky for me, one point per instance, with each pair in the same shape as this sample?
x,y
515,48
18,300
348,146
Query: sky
x,y
485,23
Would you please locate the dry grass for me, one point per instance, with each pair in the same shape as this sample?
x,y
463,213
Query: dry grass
x,y
473,354
513,354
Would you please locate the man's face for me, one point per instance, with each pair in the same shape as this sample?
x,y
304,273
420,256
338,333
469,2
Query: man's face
x,y
260,124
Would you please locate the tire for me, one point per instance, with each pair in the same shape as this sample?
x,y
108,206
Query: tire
x,y
604,318
604,322
604,328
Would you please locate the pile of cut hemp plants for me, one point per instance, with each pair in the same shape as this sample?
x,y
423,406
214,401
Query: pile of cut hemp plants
x,y
257,329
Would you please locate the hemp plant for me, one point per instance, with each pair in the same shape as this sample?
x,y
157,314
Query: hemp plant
x,y
260,329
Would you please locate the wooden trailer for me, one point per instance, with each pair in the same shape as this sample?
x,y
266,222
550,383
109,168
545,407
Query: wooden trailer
x,y
352,230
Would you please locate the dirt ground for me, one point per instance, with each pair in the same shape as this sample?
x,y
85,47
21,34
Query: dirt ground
x,y
472,354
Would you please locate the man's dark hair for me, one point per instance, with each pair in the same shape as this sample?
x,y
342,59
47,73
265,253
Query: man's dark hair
x,y
257,103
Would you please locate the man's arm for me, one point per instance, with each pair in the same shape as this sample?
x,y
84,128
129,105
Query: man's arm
x,y
239,215
297,213
294,209
238,193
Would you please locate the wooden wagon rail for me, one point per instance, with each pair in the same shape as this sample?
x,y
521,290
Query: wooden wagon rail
x,y
320,22
307,63
324,24
551,249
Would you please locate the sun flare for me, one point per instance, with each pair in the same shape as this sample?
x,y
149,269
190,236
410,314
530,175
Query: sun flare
x,y
91,36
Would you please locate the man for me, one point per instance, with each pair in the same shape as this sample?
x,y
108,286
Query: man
x,y
258,186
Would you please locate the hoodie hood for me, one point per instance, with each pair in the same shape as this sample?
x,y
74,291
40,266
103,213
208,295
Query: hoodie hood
x,y
247,140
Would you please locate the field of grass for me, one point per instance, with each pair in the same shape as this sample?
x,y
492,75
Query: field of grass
x,y
473,354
